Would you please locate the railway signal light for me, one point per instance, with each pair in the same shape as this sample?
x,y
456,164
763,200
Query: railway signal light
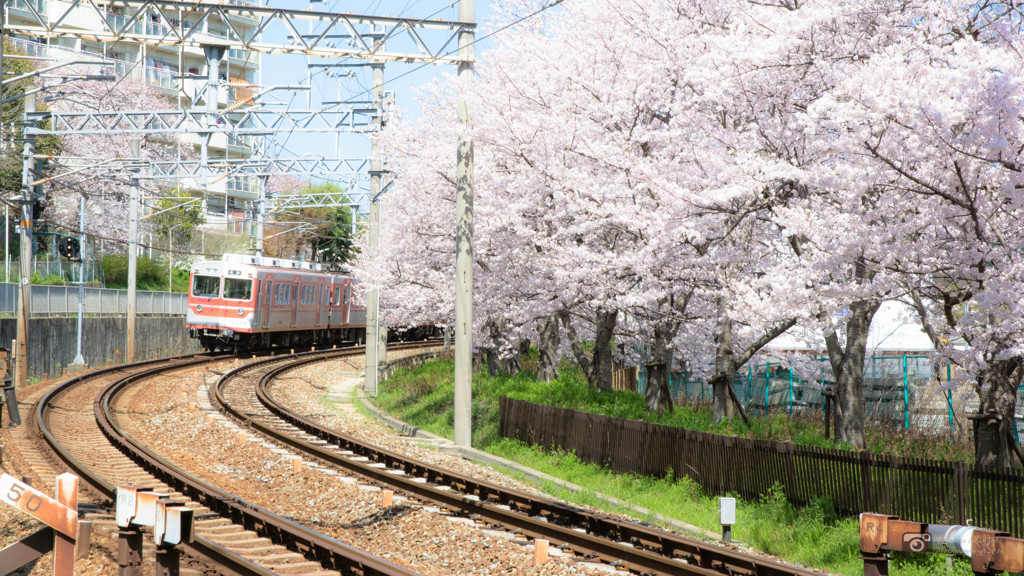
x,y
70,248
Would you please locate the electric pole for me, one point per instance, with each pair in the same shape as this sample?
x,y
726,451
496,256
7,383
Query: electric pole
x,y
25,266
133,257
79,362
376,335
261,215
214,52
464,239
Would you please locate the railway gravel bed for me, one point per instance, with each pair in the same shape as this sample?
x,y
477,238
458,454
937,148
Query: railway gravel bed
x,y
327,500
171,414
72,422
26,456
621,528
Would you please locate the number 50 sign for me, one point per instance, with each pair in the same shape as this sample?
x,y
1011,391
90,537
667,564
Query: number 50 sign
x,y
45,509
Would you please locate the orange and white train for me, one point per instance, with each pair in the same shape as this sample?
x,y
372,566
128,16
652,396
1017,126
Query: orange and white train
x,y
249,302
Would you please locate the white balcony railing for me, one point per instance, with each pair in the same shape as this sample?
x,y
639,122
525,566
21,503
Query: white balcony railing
x,y
38,5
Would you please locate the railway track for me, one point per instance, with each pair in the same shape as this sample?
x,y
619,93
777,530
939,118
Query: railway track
x,y
246,394
78,420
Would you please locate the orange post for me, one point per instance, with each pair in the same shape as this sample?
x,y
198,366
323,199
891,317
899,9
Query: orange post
x,y
540,552
63,545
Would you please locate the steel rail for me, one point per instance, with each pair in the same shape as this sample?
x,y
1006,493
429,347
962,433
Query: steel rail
x,y
328,551
654,550
226,560
568,519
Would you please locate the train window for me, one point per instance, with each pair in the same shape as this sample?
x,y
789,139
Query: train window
x,y
238,289
205,286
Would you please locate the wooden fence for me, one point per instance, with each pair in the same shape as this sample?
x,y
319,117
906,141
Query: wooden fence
x,y
930,491
624,377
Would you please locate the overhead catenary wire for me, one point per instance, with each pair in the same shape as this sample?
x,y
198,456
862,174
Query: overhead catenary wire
x,y
279,148
475,41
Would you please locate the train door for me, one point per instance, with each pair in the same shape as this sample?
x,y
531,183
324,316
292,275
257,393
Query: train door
x,y
295,301
318,302
346,303
268,295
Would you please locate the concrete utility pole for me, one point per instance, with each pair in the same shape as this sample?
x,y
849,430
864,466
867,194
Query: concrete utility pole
x,y
464,241
376,335
7,213
214,52
261,215
25,266
133,257
79,362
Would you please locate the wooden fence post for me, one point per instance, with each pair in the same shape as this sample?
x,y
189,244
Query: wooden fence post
x,y
960,491
791,486
865,480
827,394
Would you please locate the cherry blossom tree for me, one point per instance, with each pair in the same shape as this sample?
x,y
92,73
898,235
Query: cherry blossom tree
x,y
701,176
107,186
939,117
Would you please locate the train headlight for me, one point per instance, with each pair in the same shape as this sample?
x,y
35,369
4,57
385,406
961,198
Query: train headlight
x,y
199,307
241,311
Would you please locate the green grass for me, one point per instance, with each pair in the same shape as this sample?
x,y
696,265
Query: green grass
x,y
571,391
812,535
150,274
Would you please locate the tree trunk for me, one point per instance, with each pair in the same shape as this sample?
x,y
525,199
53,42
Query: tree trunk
x,y
848,369
605,328
659,368
501,359
548,341
598,369
728,360
993,432
510,364
725,363
524,347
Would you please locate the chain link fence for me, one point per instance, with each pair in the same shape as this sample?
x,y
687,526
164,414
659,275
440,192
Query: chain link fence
x,y
904,390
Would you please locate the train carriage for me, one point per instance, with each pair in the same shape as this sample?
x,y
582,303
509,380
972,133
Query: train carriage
x,y
246,302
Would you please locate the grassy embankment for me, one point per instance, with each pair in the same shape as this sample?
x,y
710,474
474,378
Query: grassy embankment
x,y
813,535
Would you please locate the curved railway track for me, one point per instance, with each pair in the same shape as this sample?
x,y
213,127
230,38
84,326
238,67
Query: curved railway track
x,y
78,421
246,394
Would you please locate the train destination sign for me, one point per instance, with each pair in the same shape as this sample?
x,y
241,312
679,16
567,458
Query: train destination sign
x,y
40,506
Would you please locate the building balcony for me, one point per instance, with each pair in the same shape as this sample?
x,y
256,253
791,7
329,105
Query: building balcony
x,y
26,6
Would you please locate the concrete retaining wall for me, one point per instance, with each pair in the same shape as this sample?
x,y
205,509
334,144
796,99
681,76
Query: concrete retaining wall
x,y
52,341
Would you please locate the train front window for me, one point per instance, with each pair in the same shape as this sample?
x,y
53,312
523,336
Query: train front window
x,y
205,286
237,289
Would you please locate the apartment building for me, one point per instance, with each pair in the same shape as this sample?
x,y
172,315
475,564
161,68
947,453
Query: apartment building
x,y
176,71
